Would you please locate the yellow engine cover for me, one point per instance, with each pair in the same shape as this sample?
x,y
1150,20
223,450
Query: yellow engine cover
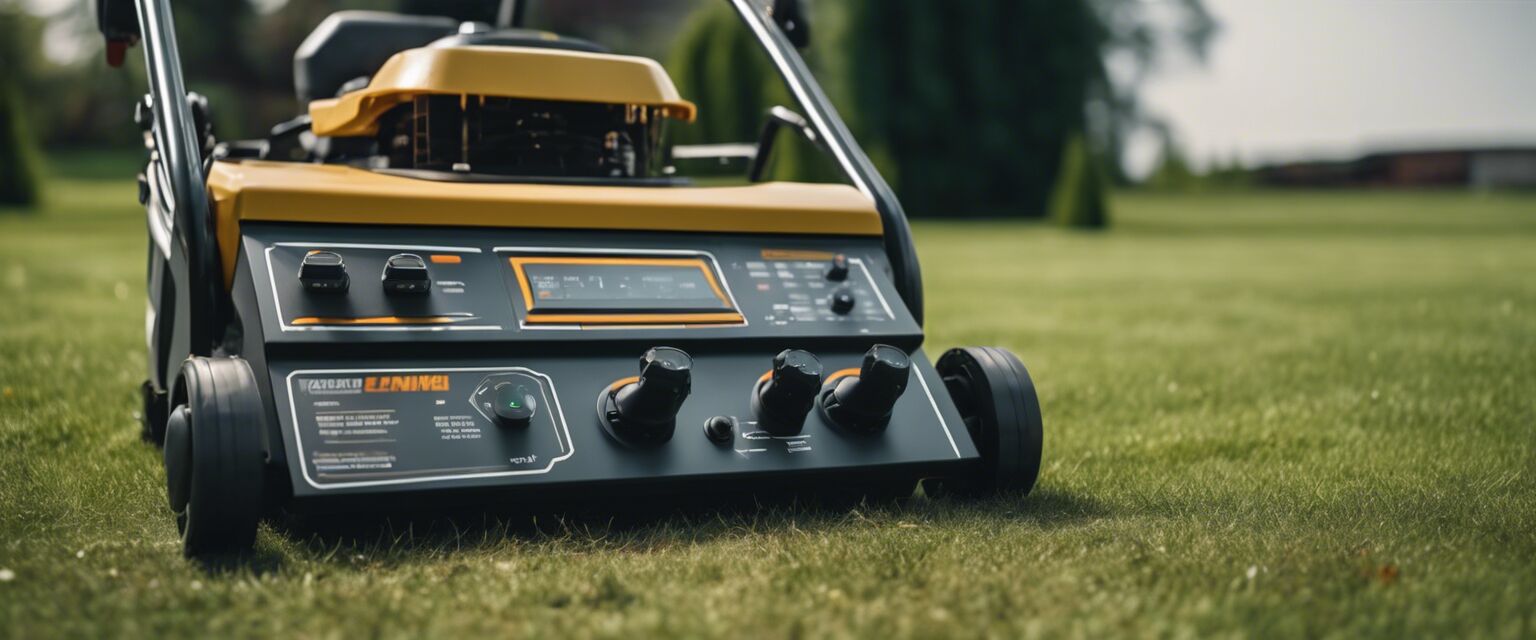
x,y
502,72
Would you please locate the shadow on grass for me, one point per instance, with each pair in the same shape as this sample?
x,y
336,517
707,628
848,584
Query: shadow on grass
x,y
638,527
258,562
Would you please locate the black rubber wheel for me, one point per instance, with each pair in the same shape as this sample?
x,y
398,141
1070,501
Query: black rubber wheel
x,y
997,399
152,413
213,457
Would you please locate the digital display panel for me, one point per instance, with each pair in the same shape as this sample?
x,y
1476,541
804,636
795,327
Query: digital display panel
x,y
619,285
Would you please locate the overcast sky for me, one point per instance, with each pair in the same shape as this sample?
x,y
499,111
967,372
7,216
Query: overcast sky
x,y
1306,78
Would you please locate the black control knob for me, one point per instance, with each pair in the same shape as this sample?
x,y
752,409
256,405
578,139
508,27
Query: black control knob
x,y
864,402
838,271
324,271
646,409
842,301
514,404
782,400
406,273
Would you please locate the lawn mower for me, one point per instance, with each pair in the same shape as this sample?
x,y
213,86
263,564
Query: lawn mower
x,y
469,274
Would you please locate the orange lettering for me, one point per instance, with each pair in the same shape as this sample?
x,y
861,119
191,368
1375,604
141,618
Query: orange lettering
x,y
393,384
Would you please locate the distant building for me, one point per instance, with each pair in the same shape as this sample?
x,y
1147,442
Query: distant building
x,y
1497,168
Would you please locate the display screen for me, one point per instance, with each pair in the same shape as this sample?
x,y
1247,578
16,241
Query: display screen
x,y
619,285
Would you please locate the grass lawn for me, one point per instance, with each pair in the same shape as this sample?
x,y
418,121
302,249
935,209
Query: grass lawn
x,y
1279,414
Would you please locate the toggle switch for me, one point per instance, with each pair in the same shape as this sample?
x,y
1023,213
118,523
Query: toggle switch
x,y
645,410
863,402
782,399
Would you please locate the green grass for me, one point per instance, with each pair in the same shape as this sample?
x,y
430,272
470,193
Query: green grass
x,y
1278,414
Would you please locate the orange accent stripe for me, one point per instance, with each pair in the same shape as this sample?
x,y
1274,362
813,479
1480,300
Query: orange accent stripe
x,y
636,318
522,283
622,381
439,258
519,262
766,375
839,374
298,322
796,254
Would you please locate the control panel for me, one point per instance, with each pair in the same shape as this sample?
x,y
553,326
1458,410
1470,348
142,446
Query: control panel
x,y
524,286
443,358
664,413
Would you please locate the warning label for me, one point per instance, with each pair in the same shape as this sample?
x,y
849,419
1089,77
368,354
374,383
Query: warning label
x,y
390,425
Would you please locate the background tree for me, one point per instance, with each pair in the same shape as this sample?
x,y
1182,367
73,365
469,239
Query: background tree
x,y
1079,200
968,104
1140,38
19,161
718,64
1172,172
965,107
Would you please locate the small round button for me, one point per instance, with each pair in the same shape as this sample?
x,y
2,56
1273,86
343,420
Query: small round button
x,y
842,301
720,429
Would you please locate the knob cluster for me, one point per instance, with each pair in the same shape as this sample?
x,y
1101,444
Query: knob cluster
x,y
842,297
643,410
326,272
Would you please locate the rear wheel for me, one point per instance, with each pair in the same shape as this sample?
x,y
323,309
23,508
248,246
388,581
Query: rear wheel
x,y
997,399
213,457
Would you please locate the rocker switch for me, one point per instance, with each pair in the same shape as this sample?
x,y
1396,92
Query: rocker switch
x,y
324,271
406,273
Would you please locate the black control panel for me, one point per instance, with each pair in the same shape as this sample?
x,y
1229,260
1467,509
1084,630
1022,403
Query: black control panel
x,y
435,424
376,285
428,359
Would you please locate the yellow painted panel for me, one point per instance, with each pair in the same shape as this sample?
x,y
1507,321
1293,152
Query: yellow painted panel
x,y
301,192
503,72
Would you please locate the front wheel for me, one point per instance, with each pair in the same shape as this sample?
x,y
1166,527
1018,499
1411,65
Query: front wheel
x,y
213,457
997,399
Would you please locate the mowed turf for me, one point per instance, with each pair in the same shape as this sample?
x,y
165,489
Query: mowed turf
x,y
1279,414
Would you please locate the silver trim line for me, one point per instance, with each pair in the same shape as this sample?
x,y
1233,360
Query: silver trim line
x,y
938,413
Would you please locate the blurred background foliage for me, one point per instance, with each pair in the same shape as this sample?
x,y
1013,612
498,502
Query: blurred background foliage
x,y
19,161
968,108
